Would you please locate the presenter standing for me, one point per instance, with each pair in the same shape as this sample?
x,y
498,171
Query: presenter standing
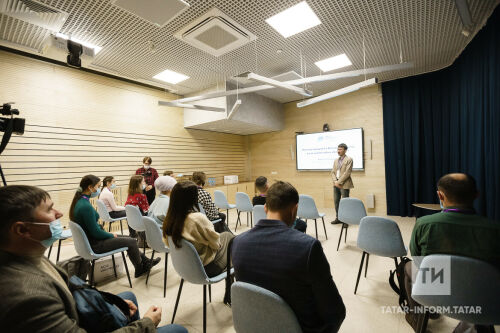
x,y
341,176
150,175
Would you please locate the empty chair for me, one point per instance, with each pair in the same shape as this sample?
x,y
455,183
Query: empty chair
x,y
307,210
65,235
256,309
351,211
188,265
202,210
243,204
104,215
134,219
155,240
220,202
84,250
380,236
472,283
259,213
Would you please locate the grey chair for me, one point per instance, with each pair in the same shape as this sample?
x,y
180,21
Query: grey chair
x,y
243,204
259,213
104,215
202,210
84,250
155,240
188,265
134,219
307,210
220,202
472,283
380,236
351,211
65,235
256,309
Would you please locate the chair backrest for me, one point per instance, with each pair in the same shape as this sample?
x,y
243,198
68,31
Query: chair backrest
x,y
154,235
81,241
202,210
134,218
220,200
472,283
351,210
307,207
380,236
243,202
103,211
256,309
259,213
187,262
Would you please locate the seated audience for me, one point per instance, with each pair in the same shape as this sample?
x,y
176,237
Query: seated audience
x,y
137,198
204,198
183,221
35,293
168,173
262,186
82,213
289,263
158,209
456,230
108,198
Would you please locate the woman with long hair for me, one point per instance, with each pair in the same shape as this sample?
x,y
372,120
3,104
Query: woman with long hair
x,y
137,198
115,211
184,221
82,213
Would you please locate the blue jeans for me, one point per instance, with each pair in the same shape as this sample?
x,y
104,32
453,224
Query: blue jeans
x,y
128,295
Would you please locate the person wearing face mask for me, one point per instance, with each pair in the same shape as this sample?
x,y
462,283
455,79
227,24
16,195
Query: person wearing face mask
x,y
150,175
158,209
136,198
291,264
82,213
108,184
34,292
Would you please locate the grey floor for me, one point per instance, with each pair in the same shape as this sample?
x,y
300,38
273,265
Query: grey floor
x,y
365,310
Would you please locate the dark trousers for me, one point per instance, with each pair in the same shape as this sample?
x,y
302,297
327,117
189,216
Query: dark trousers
x,y
221,226
117,214
300,225
106,245
150,195
339,193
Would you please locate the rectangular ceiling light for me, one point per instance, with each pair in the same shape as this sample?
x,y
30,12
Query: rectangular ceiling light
x,y
293,20
170,77
91,46
332,63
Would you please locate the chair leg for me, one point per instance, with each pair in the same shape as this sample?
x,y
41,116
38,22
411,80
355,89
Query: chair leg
x,y
58,250
210,293
50,251
316,228
109,226
227,217
396,262
177,300
126,269
251,220
237,220
165,276
366,266
247,219
324,228
359,272
204,308
114,265
340,237
152,256
345,235
121,226
422,322
92,266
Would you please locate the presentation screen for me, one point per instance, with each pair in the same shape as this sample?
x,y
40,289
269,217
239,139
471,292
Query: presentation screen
x,y
317,151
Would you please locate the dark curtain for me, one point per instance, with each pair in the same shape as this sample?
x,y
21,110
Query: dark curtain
x,y
446,121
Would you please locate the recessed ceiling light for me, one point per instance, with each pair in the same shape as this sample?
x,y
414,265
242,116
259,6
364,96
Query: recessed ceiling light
x,y
293,20
332,63
96,48
170,77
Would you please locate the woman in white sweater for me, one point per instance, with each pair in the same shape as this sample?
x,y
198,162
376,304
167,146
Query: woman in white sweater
x,y
108,198
184,221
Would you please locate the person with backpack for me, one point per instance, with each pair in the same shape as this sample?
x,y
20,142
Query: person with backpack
x,y
35,293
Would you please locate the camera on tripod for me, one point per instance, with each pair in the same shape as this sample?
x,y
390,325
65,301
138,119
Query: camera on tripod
x,y
17,123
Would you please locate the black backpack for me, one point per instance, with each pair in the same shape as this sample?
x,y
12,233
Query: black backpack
x,y
400,289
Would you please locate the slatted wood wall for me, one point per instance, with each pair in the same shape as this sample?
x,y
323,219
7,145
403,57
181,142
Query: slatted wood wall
x,y
80,123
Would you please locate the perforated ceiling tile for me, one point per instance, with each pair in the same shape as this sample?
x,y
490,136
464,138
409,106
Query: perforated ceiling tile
x,y
428,33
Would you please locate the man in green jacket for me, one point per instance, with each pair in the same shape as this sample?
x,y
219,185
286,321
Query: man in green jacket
x,y
456,230
34,293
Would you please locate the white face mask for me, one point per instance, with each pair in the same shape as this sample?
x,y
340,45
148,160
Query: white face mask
x,y
146,166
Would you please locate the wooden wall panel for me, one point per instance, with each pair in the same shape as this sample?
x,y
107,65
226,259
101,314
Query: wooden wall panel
x,y
271,152
80,123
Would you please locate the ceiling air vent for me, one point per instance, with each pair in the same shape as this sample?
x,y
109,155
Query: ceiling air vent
x,y
215,33
158,12
35,13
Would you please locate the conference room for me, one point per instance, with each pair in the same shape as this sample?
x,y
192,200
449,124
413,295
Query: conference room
x,y
250,166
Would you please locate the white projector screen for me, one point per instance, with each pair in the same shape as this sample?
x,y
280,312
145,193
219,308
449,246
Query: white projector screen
x,y
317,151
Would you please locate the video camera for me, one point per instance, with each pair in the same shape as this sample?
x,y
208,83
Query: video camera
x,y
17,123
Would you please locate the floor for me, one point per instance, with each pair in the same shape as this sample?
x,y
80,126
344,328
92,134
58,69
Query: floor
x,y
366,311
